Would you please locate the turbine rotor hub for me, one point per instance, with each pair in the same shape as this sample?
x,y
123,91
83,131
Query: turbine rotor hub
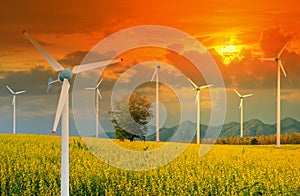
x,y
65,74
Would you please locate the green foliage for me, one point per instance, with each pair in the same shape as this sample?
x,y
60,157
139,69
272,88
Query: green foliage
x,y
254,141
131,119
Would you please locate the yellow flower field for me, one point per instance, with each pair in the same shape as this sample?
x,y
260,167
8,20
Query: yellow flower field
x,y
30,165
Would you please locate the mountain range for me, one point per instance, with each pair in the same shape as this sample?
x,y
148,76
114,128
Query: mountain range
x,y
254,127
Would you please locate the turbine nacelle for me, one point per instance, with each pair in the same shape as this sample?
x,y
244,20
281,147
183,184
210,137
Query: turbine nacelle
x,y
96,89
241,97
198,89
65,74
277,59
155,72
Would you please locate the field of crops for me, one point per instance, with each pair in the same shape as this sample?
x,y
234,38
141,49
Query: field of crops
x,y
30,165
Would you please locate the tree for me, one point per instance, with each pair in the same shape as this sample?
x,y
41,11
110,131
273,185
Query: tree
x,y
254,141
130,118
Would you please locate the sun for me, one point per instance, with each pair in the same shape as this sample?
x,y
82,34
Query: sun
x,y
229,53
228,50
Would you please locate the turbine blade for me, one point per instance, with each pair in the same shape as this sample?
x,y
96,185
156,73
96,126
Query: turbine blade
x,y
99,93
154,74
266,59
194,85
20,92
206,86
247,95
197,96
54,64
62,99
11,91
237,93
50,82
99,83
90,66
48,88
282,68
241,102
282,49
13,100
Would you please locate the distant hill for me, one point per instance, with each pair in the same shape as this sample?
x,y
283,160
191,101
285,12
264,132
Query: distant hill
x,y
184,133
252,127
187,130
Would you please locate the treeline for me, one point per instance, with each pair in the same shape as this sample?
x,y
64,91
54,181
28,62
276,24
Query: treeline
x,y
293,138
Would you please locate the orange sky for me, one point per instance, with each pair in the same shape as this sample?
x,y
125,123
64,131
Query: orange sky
x,y
236,33
69,26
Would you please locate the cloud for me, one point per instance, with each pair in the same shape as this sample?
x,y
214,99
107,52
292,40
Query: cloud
x,y
250,73
273,39
73,58
291,95
33,81
77,57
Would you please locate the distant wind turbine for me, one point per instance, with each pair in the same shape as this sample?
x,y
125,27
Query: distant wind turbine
x,y
198,88
97,96
241,108
65,76
13,103
156,73
278,60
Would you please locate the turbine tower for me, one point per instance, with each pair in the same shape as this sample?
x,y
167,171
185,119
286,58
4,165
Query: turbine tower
x,y
241,108
157,100
13,103
65,76
278,60
97,94
198,88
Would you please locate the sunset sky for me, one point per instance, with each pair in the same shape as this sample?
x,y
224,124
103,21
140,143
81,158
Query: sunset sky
x,y
236,33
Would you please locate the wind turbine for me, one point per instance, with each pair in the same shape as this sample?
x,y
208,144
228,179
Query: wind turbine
x,y
65,76
13,103
156,73
241,108
198,89
278,60
97,94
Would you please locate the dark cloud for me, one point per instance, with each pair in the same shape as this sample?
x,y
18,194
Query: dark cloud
x,y
59,18
79,57
272,40
33,81
249,72
73,58
254,74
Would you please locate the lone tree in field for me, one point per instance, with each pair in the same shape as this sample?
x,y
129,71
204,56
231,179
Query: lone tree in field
x,y
130,119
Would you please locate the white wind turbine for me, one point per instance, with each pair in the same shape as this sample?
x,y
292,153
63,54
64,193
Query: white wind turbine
x,y
198,88
156,73
65,76
97,96
13,103
241,108
278,60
